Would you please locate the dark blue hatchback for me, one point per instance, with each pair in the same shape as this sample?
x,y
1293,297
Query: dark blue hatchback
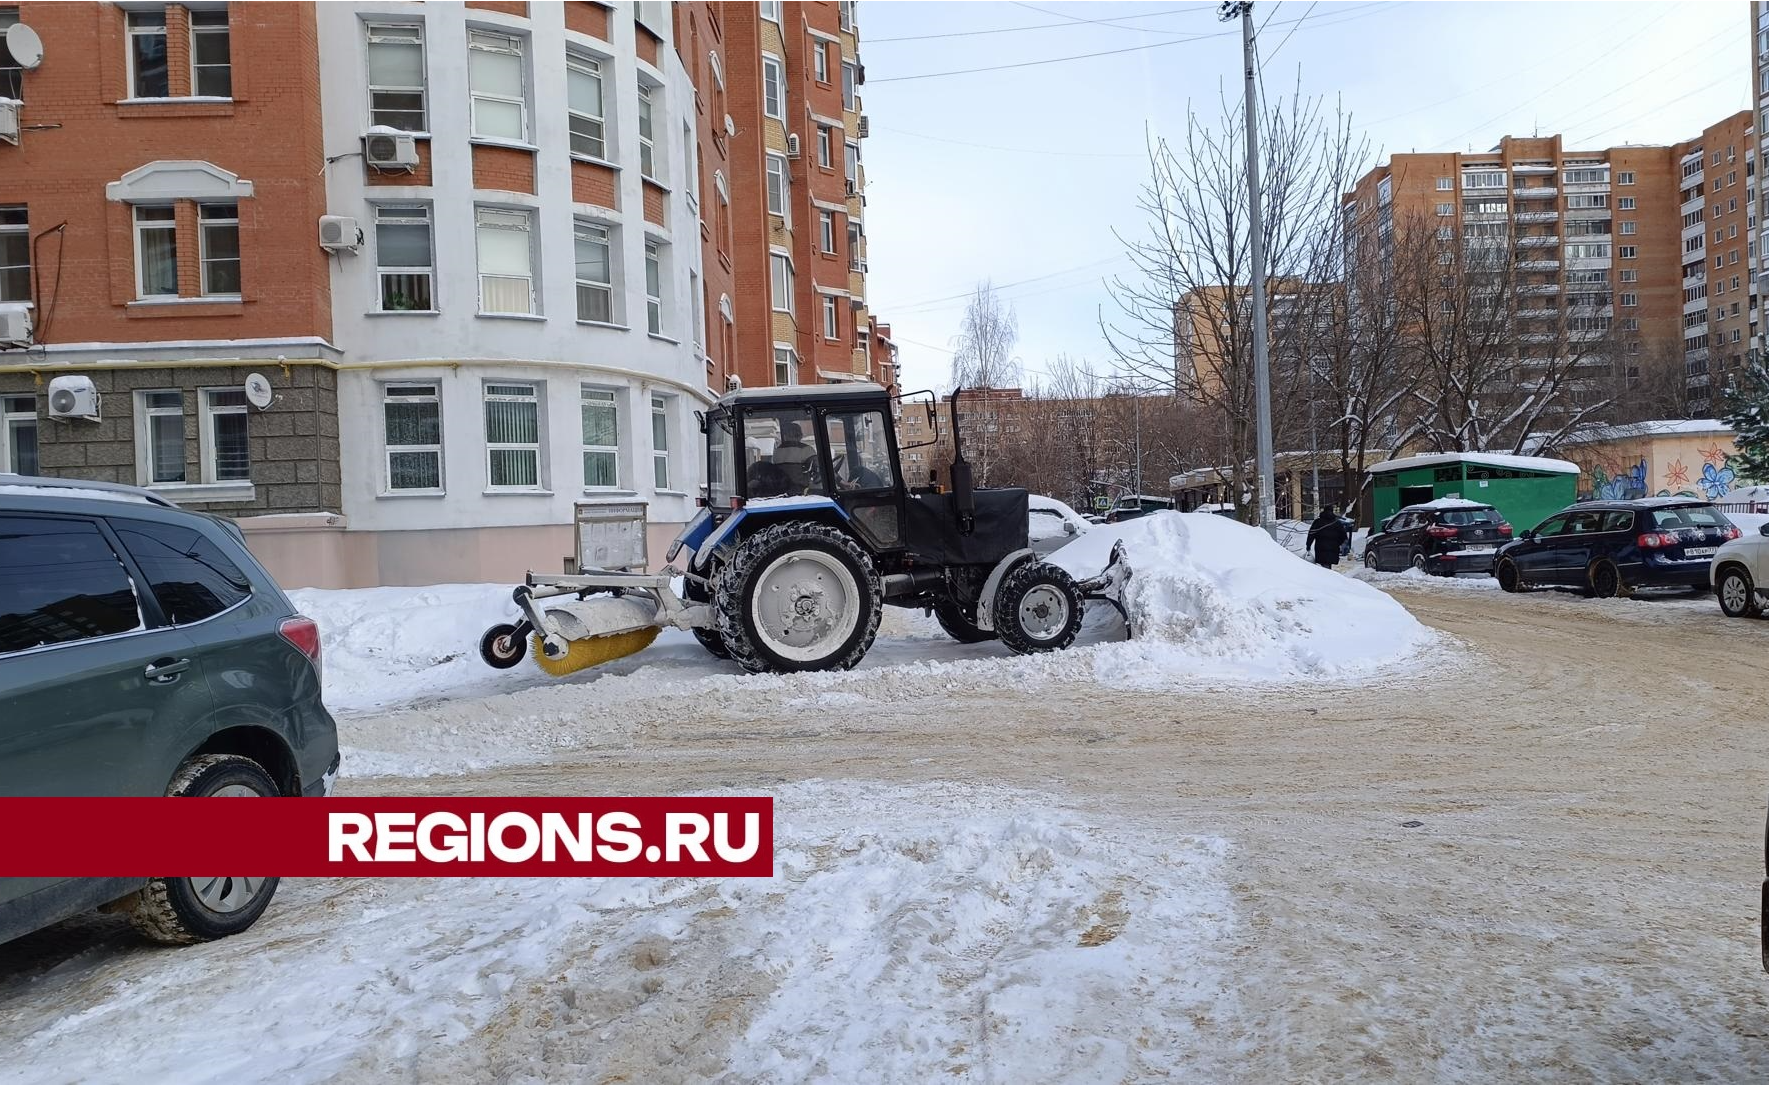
x,y
1614,546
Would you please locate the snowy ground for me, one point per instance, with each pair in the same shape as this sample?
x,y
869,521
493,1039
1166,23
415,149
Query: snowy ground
x,y
1523,843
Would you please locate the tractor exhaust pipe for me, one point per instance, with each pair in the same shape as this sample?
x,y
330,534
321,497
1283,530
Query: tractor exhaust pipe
x,y
964,494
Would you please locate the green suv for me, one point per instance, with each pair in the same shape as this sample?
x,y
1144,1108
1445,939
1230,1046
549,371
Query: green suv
x,y
143,651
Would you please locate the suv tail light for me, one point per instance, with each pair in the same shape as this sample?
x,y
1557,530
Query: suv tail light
x,y
1505,530
1733,533
303,633
1656,540
1441,531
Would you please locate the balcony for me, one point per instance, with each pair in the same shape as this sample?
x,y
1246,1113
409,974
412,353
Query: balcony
x,y
1538,339
1532,169
1537,192
1539,240
1586,335
1539,312
1535,216
1537,290
1538,265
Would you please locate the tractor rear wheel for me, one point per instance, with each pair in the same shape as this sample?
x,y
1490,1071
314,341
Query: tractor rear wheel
x,y
798,597
960,621
1038,608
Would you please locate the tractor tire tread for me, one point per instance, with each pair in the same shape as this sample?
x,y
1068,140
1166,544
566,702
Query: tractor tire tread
x,y
1020,580
731,588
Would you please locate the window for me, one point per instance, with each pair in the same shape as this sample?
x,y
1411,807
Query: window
x,y
211,72
1586,175
647,136
1446,183
595,274
147,54
697,312
512,436
1731,231
825,146
1625,203
660,441
773,89
18,435
12,75
845,10
1587,201
850,83
654,288
785,365
60,582
159,437
396,76
600,409
1731,205
411,415
1445,209
1732,178
1483,180
404,258
780,276
1625,178
156,252
826,231
583,96
770,10
222,435
191,577
1735,337
1629,298
777,185
15,255
1630,324
1628,228
506,268
851,163
1629,252
219,226
497,86
820,61
856,262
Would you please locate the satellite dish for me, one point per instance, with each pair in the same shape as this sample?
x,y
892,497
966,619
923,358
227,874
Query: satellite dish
x,y
258,392
26,46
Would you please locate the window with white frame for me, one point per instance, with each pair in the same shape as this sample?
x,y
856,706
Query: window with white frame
x,y
845,13
404,258
1446,209
826,232
1629,228
506,261
498,86
512,436
15,255
777,185
654,288
583,97
1629,251
226,451
218,225
1629,298
660,441
411,416
1624,203
211,68
647,136
18,435
1445,182
856,261
156,252
1482,180
851,163
770,10
600,413
148,76
159,437
1629,275
785,365
780,281
831,318
773,88
820,60
1624,178
397,96
850,87
595,272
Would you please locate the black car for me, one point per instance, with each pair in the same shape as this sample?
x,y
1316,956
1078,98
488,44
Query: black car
x,y
1444,536
1613,546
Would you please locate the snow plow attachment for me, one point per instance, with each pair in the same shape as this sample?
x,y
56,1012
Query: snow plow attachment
x,y
594,631
615,614
1108,585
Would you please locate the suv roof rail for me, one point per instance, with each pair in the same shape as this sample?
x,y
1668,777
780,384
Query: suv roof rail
x,y
73,483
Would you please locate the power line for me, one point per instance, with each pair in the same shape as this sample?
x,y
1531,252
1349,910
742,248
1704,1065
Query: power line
x,y
1004,286
1661,104
1610,106
1115,23
1068,21
1286,37
1021,150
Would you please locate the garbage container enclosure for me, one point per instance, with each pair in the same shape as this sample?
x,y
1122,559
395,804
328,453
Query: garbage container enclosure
x,y
1525,490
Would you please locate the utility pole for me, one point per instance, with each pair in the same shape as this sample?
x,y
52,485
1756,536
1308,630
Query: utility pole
x,y
1255,242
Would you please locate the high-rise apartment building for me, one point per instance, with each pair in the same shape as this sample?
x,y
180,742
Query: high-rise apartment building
x,y
1716,203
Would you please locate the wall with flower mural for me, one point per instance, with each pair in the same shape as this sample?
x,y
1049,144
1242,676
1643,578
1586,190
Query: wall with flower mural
x,y
1677,462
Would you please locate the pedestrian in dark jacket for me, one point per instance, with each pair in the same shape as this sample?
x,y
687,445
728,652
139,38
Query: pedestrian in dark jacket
x,y
1326,536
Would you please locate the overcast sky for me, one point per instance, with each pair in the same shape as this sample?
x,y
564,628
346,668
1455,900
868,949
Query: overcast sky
x,y
1020,175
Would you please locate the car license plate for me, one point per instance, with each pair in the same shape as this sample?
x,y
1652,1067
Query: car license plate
x,y
1699,552
1477,548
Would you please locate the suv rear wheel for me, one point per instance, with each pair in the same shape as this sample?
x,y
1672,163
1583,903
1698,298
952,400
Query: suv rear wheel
x,y
197,909
1737,593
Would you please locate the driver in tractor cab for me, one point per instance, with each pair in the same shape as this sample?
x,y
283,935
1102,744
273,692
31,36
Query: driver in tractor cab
x,y
798,459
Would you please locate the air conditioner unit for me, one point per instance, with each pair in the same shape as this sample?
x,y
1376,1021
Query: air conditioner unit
x,y
73,397
792,146
865,126
15,328
9,111
340,234
852,188
387,149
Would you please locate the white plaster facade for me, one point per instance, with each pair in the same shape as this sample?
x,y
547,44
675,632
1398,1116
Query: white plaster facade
x,y
466,528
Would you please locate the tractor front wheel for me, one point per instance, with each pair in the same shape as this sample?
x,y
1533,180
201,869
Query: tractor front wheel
x,y
960,621
1038,608
695,593
798,597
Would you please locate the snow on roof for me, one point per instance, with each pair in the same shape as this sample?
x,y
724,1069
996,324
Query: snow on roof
x,y
1446,502
1497,461
1649,428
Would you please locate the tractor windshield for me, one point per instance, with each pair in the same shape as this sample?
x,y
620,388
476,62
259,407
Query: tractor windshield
x,y
721,460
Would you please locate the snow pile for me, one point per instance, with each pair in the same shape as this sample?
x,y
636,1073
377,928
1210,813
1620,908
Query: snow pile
x,y
1215,596
923,933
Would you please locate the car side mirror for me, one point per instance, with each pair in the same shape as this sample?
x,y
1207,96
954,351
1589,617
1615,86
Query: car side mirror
x,y
1069,528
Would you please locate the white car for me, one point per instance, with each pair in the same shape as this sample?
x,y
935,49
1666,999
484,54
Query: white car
x,y
1740,573
1050,523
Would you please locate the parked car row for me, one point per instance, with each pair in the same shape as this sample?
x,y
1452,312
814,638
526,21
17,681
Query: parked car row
x,y
1605,547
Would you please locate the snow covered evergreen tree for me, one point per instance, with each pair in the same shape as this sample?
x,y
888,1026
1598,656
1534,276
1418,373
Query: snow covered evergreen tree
x,y
1747,412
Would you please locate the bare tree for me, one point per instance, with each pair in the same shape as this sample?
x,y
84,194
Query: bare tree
x,y
1187,310
983,362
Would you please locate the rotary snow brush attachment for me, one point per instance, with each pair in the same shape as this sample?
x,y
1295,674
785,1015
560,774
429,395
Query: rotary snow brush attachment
x,y
572,635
